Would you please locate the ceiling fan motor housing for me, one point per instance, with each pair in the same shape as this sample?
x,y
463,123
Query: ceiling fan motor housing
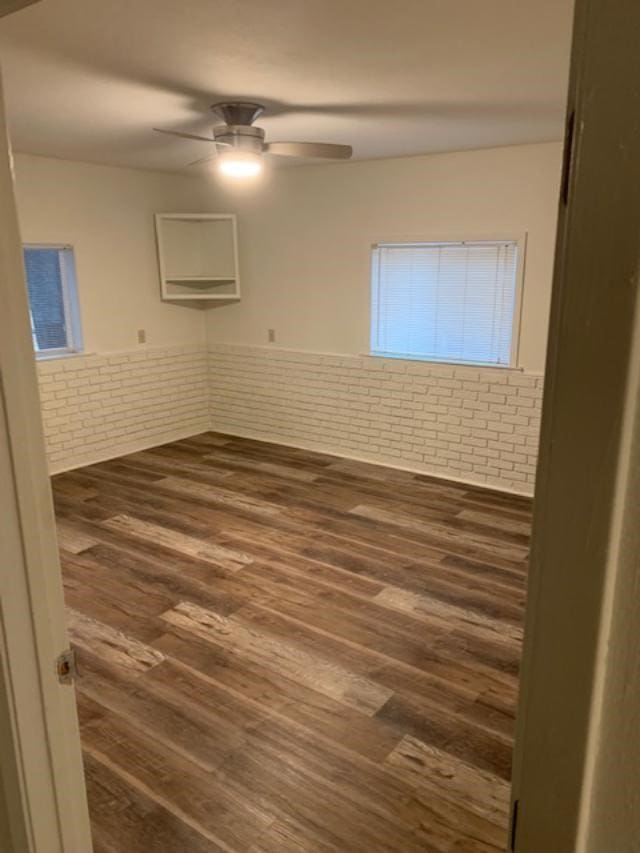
x,y
236,132
243,137
238,112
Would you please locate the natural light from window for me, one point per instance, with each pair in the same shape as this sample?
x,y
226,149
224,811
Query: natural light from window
x,y
446,302
53,303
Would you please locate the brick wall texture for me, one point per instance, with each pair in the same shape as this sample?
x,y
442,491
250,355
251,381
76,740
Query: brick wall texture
x,y
473,424
100,406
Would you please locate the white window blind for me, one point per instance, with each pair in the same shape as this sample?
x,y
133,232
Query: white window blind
x,y
53,305
451,302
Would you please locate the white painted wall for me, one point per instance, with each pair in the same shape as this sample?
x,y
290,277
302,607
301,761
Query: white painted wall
x,y
613,781
106,214
305,238
119,396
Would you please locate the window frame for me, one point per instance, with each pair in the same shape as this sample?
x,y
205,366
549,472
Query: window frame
x,y
70,302
506,236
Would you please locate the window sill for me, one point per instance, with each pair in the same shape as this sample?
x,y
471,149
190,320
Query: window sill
x,y
431,363
45,356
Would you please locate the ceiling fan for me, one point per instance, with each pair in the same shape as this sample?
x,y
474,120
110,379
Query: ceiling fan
x,y
240,146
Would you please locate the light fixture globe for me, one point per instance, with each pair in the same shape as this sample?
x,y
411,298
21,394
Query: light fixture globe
x,y
240,164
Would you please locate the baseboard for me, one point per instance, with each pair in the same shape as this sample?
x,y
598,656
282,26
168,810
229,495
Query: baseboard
x,y
130,447
437,475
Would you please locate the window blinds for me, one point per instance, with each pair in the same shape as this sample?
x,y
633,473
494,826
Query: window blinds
x,y
46,298
452,302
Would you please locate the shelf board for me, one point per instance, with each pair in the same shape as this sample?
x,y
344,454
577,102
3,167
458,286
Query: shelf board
x,y
188,243
206,297
177,279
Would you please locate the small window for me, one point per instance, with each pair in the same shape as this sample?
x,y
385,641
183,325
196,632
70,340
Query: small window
x,y
53,300
446,302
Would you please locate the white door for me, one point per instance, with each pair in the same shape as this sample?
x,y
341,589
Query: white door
x,y
43,807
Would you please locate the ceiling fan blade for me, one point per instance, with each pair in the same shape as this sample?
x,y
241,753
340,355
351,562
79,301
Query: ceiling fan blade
x,y
203,160
309,149
189,136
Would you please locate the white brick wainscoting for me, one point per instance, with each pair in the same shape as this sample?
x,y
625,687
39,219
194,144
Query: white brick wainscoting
x,y
96,407
473,424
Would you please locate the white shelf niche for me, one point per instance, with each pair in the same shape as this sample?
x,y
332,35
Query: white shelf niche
x,y
198,257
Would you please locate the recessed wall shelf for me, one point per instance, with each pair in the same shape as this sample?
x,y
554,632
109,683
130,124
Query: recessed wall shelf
x,y
198,258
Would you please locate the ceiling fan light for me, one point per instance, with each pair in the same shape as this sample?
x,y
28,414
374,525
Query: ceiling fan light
x,y
240,164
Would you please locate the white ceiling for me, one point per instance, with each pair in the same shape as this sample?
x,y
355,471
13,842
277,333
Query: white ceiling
x,y
88,79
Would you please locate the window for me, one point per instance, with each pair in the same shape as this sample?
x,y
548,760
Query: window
x,y
53,301
445,301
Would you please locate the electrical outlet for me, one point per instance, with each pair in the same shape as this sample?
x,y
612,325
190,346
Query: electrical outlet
x,y
142,336
271,336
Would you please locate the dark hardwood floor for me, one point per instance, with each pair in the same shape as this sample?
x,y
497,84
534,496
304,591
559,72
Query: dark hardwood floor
x,y
281,651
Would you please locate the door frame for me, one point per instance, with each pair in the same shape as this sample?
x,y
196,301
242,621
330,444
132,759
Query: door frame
x,y
44,804
588,480
583,496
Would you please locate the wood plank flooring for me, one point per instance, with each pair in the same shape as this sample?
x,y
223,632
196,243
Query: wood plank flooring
x,y
285,651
